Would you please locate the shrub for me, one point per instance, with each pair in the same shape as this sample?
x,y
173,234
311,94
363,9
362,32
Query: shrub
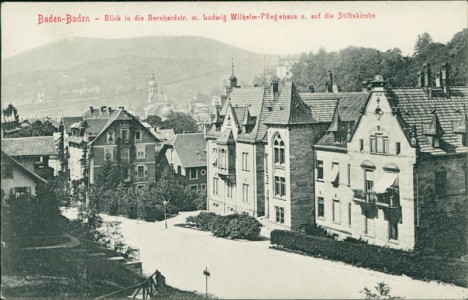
x,y
220,225
244,227
233,226
377,258
316,230
204,220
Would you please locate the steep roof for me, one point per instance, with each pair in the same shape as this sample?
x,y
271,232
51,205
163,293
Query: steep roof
x,y
290,109
323,104
29,146
190,148
251,102
115,115
34,176
68,121
94,126
345,118
432,114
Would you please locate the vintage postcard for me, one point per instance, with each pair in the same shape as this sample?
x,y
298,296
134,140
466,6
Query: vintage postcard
x,y
234,150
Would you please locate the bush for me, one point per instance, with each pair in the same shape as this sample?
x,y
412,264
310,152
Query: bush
x,y
220,224
233,226
376,258
244,227
316,230
203,220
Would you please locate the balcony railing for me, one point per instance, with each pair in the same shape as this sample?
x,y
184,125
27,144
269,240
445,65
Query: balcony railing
x,y
225,171
361,196
390,199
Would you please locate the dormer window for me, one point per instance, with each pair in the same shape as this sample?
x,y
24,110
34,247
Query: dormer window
x,y
110,136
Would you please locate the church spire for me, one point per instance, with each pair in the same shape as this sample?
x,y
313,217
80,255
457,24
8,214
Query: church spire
x,y
233,78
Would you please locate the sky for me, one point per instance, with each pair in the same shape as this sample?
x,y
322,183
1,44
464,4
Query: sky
x,y
395,25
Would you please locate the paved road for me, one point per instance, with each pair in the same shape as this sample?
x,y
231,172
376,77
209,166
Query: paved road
x,y
242,269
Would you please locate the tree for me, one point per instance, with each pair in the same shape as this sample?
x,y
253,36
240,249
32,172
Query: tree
x,y
383,293
441,231
424,40
181,123
154,121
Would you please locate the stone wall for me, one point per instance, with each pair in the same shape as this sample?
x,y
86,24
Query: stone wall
x,y
301,158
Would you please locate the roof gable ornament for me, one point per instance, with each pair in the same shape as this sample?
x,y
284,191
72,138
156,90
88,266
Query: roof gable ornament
x,y
378,111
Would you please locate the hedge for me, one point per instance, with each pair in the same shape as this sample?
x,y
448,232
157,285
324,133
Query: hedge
x,y
376,258
233,226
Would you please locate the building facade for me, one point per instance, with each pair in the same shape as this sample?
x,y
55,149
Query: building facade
x,y
186,156
114,134
372,164
17,180
235,150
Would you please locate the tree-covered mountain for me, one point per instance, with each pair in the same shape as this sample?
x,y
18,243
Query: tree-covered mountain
x,y
80,72
353,65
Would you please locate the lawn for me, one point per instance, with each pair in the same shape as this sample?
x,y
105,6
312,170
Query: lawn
x,y
68,272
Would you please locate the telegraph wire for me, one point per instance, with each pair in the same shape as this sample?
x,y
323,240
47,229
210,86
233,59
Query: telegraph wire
x,y
163,84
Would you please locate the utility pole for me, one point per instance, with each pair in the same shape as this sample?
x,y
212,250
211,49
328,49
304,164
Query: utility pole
x,y
207,274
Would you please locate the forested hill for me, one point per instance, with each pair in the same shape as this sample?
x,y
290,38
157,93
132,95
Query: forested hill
x,y
352,65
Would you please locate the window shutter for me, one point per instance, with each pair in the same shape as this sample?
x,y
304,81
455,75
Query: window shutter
x,y
146,170
136,171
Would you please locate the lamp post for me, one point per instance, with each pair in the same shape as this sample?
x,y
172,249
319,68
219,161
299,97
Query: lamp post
x,y
165,212
207,274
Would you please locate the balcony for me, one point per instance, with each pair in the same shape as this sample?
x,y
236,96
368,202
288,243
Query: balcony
x,y
364,197
389,199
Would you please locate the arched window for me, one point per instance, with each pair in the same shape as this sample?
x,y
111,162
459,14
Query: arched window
x,y
278,147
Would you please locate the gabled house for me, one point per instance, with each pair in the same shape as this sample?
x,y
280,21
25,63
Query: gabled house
x,y
186,156
374,161
235,150
38,154
17,180
115,134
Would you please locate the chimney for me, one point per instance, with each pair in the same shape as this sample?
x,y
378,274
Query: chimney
x,y
103,108
438,79
365,86
427,75
330,82
275,88
445,79
109,109
428,79
91,109
420,80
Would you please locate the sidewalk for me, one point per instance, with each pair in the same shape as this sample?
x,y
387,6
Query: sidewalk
x,y
268,227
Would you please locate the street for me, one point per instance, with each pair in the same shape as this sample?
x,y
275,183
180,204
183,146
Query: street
x,y
245,269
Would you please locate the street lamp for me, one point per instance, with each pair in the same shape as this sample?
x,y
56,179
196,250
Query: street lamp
x,y
207,274
165,212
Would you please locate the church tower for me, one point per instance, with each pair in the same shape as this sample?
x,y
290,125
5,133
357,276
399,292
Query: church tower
x,y
233,78
152,89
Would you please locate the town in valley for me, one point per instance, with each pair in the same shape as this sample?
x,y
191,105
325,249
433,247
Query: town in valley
x,y
327,174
